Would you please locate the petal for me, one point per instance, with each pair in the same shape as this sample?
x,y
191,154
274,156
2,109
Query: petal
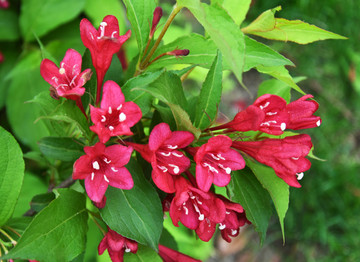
x,y
180,139
119,155
249,119
88,34
103,245
222,178
158,135
163,180
132,112
218,143
120,179
50,71
116,256
82,167
102,132
72,62
112,27
96,187
217,210
170,255
206,230
112,96
189,217
204,177
233,159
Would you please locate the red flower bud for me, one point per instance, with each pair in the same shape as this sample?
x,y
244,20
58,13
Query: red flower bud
x,y
158,12
179,52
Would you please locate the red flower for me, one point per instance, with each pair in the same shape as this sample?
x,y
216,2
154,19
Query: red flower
x,y
163,155
158,12
103,166
234,219
170,255
286,156
214,162
4,4
115,116
116,245
103,44
68,80
301,113
196,209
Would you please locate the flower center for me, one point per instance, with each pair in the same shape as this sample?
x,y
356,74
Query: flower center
x,y
214,162
111,118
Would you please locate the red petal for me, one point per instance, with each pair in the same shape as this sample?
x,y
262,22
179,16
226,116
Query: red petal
x,y
180,139
112,96
132,112
204,177
119,155
121,179
96,188
158,135
163,180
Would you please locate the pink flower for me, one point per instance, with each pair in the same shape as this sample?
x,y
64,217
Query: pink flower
x,y
197,210
103,166
158,12
162,152
103,44
214,162
286,156
115,116
170,255
68,80
301,113
4,4
234,219
116,245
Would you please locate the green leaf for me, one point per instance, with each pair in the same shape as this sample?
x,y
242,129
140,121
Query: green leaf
x,y
281,73
140,14
40,16
267,26
132,92
246,190
136,213
277,188
210,95
61,148
39,202
222,30
258,54
11,174
9,30
57,233
237,9
143,254
26,82
166,115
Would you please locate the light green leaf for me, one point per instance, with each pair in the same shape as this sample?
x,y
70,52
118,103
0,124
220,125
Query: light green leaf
x,y
57,233
263,23
277,188
281,73
11,174
61,148
246,190
237,9
143,254
40,16
140,14
136,213
210,95
222,30
9,29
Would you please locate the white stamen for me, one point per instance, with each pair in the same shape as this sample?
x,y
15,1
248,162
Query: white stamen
x,y
172,147
295,158
222,226
73,80
62,71
192,196
106,179
119,107
201,217
199,202
186,210
92,37
266,105
96,165
227,169
213,156
227,212
212,169
165,154
219,156
111,128
176,154
103,119
300,175
164,169
113,33
127,250
74,68
122,117
110,110
102,30
271,113
176,168
283,126
318,123
92,176
114,169
107,161
233,232
55,79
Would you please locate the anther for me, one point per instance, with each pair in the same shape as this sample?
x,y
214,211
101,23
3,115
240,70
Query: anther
x,y
103,119
106,179
283,126
233,232
107,161
92,176
111,128
110,110
165,154
62,71
318,123
300,175
122,117
119,107
114,169
95,165
222,226
172,147
266,105
176,154
176,168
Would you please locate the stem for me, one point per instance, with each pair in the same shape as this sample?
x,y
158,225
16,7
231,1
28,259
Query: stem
x,y
81,107
174,12
96,223
3,247
14,231
8,236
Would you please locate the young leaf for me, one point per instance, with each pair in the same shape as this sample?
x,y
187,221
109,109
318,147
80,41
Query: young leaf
x,y
144,253
237,9
222,30
57,233
210,95
277,188
264,22
246,190
11,174
61,148
41,16
140,14
39,202
136,213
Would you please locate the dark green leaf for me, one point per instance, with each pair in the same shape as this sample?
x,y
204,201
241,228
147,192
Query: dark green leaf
x,y
210,95
166,116
57,233
246,190
19,224
136,213
40,16
61,148
11,174
39,202
277,188
143,254
222,30
140,14
9,29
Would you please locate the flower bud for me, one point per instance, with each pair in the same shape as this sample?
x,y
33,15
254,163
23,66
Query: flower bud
x,y
158,12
